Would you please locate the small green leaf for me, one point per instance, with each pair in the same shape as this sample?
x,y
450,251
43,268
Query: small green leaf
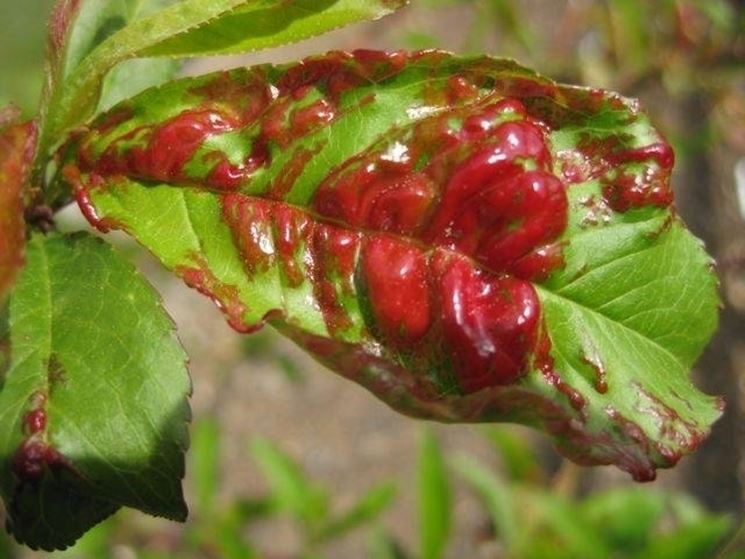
x,y
434,499
625,518
382,545
199,27
496,496
94,404
291,490
368,508
690,542
467,239
516,454
552,514
205,464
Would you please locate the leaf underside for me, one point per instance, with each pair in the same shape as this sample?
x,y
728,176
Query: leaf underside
x,y
466,239
94,399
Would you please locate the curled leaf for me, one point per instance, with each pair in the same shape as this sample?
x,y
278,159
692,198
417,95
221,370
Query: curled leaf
x,y
465,238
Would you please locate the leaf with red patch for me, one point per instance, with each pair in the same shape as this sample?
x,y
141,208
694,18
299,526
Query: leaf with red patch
x,y
93,400
17,144
467,239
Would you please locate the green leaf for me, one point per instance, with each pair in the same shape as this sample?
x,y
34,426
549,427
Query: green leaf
x,y
205,459
366,510
552,518
691,542
434,499
94,404
383,546
200,27
625,518
290,489
496,496
17,144
516,454
466,239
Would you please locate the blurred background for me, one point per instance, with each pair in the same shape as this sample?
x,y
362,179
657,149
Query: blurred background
x,y
289,461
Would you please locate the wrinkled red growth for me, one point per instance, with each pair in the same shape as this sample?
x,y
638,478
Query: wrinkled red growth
x,y
32,459
82,193
490,322
486,322
487,192
398,289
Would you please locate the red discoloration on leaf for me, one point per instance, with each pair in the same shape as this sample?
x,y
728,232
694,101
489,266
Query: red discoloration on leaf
x,y
475,195
62,16
396,274
334,256
81,191
490,323
651,187
33,458
249,220
36,421
17,146
292,233
166,148
226,297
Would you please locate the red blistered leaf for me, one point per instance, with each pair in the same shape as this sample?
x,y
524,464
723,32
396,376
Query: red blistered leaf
x,y
465,238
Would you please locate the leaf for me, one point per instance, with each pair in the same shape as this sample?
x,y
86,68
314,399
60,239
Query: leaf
x,y
76,28
434,499
625,518
205,452
516,454
366,510
700,540
200,27
291,491
382,546
94,404
496,496
466,239
574,536
17,144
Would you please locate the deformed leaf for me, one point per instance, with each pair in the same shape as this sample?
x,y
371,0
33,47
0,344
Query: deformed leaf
x,y
198,27
94,401
468,240
17,144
